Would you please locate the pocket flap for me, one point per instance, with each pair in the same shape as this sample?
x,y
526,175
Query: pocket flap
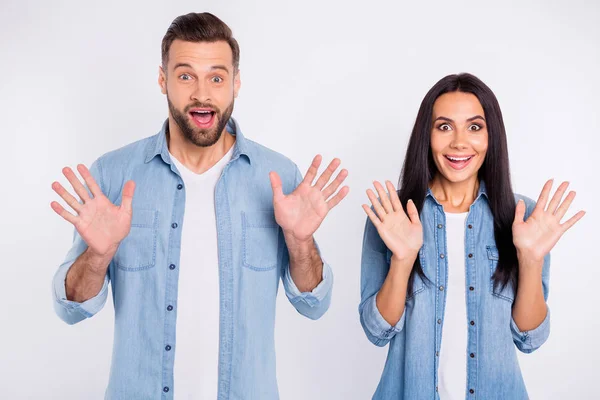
x,y
492,253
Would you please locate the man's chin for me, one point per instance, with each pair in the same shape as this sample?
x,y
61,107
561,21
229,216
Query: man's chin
x,y
204,138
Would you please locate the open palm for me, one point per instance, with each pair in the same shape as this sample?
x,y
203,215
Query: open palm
x,y
542,230
101,224
301,212
401,233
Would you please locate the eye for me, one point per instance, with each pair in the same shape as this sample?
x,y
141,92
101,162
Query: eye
x,y
217,79
185,77
445,127
475,127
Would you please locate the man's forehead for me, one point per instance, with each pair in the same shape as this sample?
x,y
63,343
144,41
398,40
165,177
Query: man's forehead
x,y
200,53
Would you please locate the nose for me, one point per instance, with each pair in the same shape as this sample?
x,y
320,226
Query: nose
x,y
201,92
459,140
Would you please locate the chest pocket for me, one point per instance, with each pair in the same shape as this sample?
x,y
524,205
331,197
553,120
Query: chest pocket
x,y
261,240
417,284
507,293
137,251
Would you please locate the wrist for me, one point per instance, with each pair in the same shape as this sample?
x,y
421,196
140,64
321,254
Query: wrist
x,y
98,263
405,259
298,245
402,267
529,261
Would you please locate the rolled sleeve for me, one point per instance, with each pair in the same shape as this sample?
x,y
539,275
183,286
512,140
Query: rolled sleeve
x,y
529,341
70,311
378,330
311,304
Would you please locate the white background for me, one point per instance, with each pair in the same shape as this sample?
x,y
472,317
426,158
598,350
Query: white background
x,y
345,79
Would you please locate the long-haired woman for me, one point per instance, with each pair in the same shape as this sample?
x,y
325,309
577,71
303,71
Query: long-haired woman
x,y
455,266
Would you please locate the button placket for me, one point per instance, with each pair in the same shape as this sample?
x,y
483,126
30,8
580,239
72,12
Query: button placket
x,y
471,307
442,275
171,286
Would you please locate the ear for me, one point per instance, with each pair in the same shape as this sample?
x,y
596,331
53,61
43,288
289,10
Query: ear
x,y
162,80
236,84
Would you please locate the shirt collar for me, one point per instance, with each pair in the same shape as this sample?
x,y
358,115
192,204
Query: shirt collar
x,y
481,192
158,145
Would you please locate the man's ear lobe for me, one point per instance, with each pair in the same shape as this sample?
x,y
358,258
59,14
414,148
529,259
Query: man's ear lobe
x,y
162,80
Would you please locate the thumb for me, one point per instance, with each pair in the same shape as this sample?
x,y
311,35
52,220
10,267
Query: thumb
x,y
276,186
519,212
127,195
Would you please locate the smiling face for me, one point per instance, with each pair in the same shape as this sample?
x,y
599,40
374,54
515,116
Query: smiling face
x,y
459,136
201,84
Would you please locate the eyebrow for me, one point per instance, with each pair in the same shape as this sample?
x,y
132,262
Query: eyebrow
x,y
223,67
468,120
179,65
212,68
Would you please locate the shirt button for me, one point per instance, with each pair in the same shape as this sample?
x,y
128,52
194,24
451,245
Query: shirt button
x,y
166,389
180,186
174,225
439,321
169,308
471,391
437,353
470,226
472,355
440,226
471,288
472,323
442,255
172,266
168,348
470,255
441,288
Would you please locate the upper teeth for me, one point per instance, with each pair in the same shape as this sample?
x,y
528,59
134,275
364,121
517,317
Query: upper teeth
x,y
458,158
202,112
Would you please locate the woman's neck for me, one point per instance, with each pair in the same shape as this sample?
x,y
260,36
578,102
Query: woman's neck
x,y
455,197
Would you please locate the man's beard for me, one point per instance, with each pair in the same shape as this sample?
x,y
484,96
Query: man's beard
x,y
201,137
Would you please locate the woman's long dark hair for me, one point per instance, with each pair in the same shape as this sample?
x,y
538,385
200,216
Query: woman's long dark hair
x,y
419,169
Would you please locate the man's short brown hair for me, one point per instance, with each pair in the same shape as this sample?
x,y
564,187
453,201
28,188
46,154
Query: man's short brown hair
x,y
199,27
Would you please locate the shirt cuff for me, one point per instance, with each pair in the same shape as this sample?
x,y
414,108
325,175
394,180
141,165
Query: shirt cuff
x,y
314,297
89,307
534,338
376,324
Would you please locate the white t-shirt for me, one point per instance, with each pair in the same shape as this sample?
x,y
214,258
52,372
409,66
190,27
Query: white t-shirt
x,y
452,371
197,330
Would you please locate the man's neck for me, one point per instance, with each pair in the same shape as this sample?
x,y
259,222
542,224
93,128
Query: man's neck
x,y
196,158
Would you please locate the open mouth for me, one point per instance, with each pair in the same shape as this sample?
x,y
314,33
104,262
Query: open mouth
x,y
203,117
458,162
